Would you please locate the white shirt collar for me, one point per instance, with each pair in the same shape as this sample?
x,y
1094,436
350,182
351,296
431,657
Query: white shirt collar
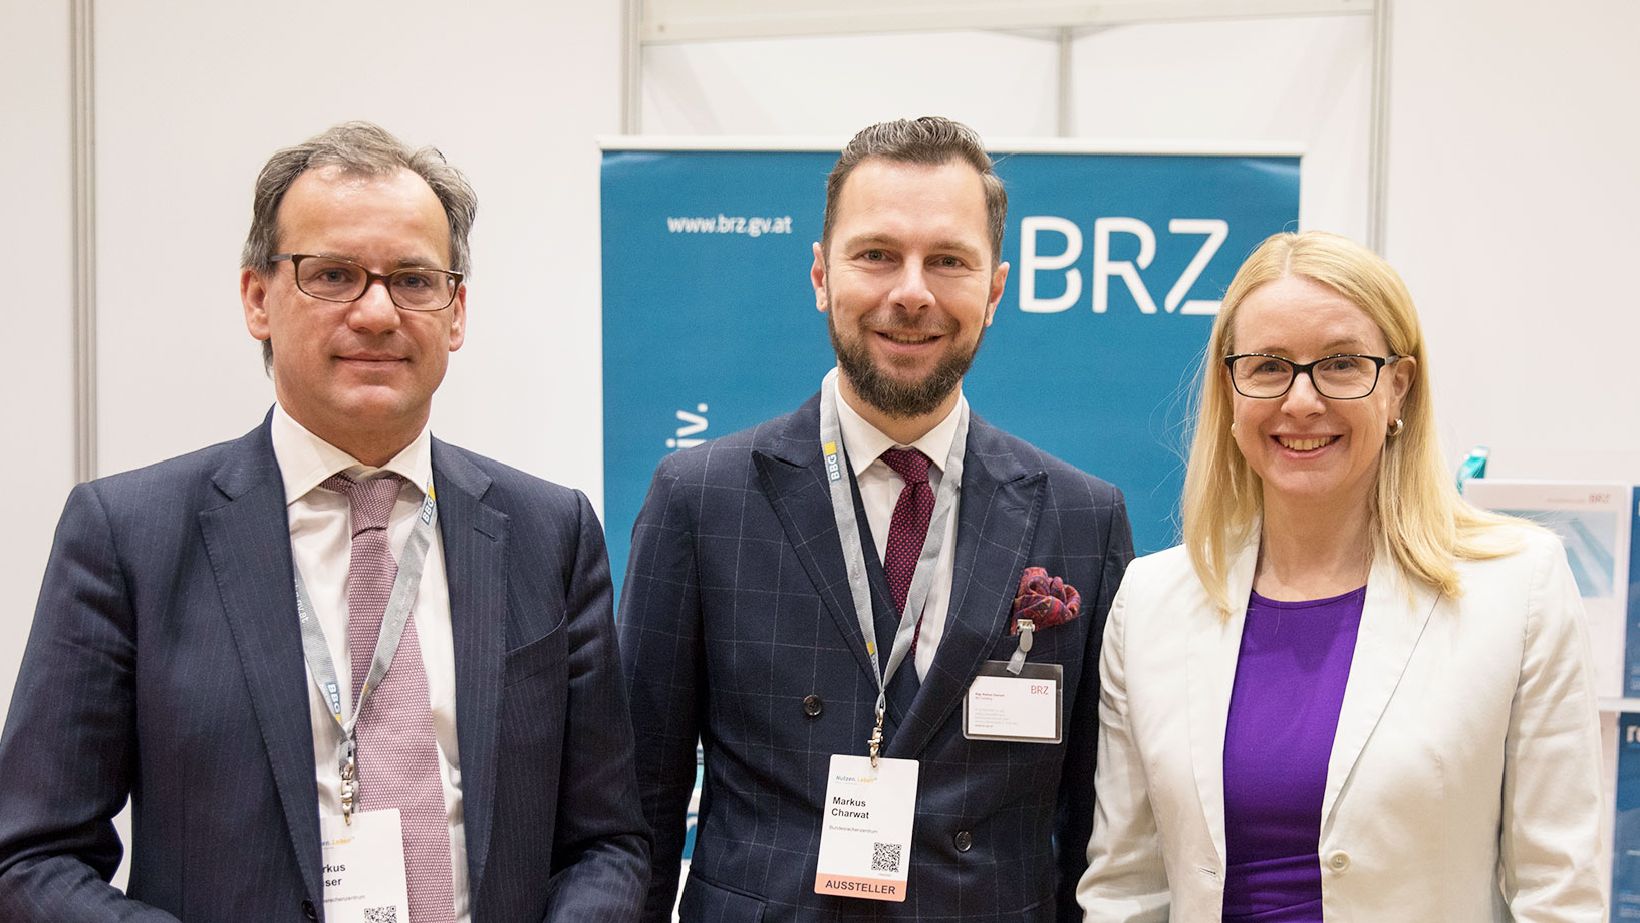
x,y
305,460
865,442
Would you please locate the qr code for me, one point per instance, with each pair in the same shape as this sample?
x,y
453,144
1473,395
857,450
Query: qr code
x,y
381,915
885,857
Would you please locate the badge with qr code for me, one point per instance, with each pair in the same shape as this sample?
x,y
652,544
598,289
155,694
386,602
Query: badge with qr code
x,y
364,868
865,828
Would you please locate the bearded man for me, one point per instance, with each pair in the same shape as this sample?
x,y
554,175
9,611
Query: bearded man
x,y
879,615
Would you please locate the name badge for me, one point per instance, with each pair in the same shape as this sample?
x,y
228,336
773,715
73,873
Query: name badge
x,y
1027,708
865,831
364,868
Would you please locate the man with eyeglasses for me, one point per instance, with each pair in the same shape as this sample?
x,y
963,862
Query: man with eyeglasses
x,y
339,667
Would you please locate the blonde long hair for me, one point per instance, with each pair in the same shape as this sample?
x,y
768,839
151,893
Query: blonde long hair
x,y
1416,513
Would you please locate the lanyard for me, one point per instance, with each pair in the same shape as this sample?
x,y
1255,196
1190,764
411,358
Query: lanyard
x,y
848,533
405,586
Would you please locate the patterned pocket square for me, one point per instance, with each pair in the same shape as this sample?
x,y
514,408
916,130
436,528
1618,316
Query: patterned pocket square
x,y
1046,601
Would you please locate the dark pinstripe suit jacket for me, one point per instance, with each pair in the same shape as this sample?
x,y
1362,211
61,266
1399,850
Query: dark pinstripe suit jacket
x,y
736,609
165,663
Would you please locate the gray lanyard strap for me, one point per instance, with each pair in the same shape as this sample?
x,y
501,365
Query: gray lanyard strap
x,y
848,533
405,586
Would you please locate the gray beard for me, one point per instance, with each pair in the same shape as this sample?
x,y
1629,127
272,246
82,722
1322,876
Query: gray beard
x,y
896,398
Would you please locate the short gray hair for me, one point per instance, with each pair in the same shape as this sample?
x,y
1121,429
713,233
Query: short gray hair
x,y
931,141
360,149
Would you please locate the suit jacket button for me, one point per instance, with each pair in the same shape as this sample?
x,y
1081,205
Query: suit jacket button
x,y
964,841
308,911
1338,861
812,706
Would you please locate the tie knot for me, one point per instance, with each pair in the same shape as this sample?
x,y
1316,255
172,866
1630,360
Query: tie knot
x,y
370,503
910,464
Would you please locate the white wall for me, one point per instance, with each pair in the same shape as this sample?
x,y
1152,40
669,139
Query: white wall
x,y
1307,80
1003,84
1513,196
1304,80
36,244
193,96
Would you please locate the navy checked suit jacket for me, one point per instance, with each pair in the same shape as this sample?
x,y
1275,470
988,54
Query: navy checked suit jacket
x,y
737,626
165,663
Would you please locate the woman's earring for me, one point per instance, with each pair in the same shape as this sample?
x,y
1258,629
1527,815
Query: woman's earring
x,y
1396,427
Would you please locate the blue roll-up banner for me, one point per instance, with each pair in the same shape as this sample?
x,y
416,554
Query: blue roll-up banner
x,y
709,320
1626,827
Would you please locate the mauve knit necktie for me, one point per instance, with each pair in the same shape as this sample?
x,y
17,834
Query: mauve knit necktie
x,y
908,526
398,762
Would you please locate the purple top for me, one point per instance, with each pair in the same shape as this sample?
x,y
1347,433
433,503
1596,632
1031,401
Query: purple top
x,y
1278,737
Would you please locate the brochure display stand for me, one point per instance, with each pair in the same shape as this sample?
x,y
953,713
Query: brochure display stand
x,y
1600,526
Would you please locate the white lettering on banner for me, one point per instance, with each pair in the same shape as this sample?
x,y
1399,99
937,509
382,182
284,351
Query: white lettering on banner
x,y
1032,261
1216,231
688,435
1104,267
744,225
1631,734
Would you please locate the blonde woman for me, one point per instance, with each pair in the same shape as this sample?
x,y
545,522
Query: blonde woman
x,y
1348,695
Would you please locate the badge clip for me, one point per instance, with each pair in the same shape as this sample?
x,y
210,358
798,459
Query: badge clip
x,y
876,742
349,787
1027,628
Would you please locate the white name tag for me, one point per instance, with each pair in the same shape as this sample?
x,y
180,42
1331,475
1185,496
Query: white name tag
x,y
1024,708
364,868
865,831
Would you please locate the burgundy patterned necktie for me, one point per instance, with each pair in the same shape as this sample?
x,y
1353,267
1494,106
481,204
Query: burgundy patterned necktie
x,y
398,762
908,526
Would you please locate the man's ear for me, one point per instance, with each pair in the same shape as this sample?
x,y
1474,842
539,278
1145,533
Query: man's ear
x,y
458,318
253,293
999,283
817,278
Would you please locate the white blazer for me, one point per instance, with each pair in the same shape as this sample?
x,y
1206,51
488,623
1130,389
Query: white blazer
x,y
1464,783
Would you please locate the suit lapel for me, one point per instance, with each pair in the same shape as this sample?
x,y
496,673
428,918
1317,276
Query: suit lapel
x,y
996,521
793,476
1393,618
475,554
247,539
1213,650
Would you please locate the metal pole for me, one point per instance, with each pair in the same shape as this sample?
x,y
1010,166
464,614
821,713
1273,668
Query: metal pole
x,y
1067,43
632,58
83,146
1378,164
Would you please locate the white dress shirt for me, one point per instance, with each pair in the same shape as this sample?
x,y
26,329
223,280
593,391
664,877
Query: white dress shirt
x,y
880,490
320,544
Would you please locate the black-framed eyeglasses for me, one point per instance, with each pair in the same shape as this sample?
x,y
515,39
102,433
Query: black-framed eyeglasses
x,y
1345,377
330,278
